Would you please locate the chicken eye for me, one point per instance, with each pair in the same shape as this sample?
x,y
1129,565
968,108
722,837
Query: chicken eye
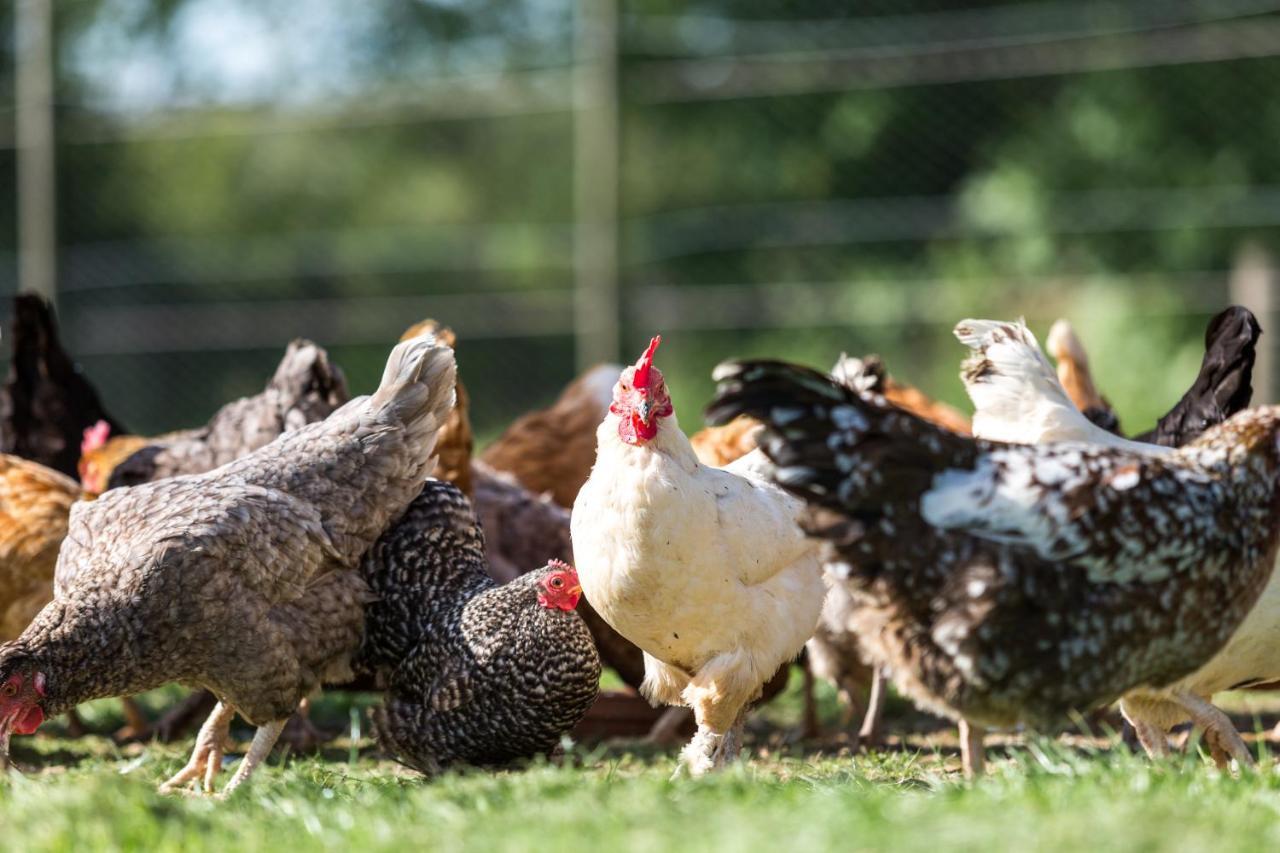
x,y
9,690
557,582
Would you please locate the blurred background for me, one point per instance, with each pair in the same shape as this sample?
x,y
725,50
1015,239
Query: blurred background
x,y
198,181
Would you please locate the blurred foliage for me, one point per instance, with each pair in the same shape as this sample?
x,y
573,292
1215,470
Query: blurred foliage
x,y
188,173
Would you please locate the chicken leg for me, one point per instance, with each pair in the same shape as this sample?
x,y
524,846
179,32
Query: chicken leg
x,y
206,757
869,734
972,755
263,741
1220,733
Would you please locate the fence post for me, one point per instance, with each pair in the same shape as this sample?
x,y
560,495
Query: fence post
x,y
596,319
37,202
1253,285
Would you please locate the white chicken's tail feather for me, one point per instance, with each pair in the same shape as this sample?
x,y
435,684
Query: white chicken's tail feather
x,y
1015,391
418,387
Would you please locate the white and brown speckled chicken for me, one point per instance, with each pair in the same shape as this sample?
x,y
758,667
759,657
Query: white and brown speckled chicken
x,y
1006,356
475,671
1007,585
243,580
304,389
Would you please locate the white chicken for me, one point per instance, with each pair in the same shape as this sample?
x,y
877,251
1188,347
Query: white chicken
x,y
1019,399
705,569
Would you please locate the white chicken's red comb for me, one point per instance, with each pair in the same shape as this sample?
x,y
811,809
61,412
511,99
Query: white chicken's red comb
x,y
641,378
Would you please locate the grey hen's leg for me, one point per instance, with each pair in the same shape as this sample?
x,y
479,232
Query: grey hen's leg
x,y
206,758
263,741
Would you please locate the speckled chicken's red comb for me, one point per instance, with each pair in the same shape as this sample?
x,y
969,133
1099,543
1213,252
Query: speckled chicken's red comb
x,y
561,565
641,379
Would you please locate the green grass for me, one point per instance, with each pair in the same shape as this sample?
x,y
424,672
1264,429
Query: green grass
x,y
1072,794
1044,797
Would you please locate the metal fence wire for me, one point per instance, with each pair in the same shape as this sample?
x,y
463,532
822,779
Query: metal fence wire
x,y
560,179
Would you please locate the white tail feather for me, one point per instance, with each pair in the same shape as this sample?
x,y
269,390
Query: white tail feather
x,y
1016,393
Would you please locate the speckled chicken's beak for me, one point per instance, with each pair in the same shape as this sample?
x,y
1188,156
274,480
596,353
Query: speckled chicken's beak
x,y
576,589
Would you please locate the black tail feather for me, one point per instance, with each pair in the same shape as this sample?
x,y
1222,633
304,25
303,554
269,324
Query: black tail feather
x,y
1224,384
833,447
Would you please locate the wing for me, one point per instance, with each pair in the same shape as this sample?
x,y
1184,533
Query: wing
x,y
758,522
274,544
1123,517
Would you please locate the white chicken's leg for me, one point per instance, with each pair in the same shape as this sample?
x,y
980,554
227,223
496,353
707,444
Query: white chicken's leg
x,y
972,755
206,758
263,741
1219,731
719,694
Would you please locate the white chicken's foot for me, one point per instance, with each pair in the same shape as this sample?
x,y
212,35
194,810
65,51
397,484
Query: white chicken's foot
x,y
697,757
206,758
263,741
1220,733
972,754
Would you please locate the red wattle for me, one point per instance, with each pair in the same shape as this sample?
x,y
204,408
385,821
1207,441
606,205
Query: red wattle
x,y
29,722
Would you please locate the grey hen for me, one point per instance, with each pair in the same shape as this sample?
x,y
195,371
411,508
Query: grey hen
x,y
243,580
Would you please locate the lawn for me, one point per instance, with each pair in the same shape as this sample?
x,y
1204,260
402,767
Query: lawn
x,y
1074,794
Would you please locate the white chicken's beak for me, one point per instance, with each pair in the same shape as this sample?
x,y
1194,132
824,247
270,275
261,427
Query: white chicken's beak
x,y
646,411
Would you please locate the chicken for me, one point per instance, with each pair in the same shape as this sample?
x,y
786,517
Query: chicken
x,y
552,450
1249,657
1077,379
305,388
35,503
523,529
456,443
719,446
1008,585
703,568
243,580
833,652
47,403
475,672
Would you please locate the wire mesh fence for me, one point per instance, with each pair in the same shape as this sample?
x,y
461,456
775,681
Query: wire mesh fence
x,y
793,178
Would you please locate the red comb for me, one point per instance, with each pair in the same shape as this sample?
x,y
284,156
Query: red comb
x,y
641,378
95,436
561,565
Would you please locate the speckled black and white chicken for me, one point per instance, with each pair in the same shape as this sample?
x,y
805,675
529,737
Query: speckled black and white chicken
x,y
243,580
1008,377
475,672
1008,585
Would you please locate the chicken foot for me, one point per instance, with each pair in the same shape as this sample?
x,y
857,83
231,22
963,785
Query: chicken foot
x,y
263,742
1220,733
1153,740
206,757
